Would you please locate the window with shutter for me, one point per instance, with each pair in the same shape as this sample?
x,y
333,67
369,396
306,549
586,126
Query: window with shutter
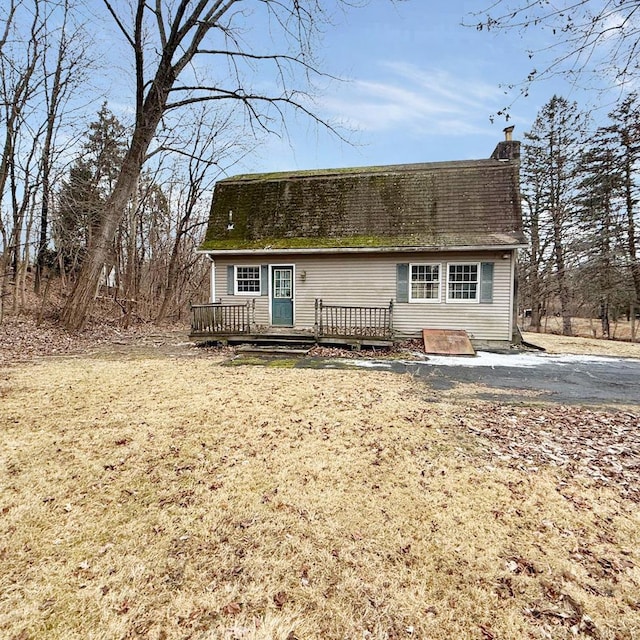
x,y
425,283
486,282
246,281
463,282
402,283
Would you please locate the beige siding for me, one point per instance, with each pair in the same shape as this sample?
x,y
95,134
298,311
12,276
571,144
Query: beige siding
x,y
370,280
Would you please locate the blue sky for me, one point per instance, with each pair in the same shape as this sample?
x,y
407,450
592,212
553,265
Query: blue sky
x,y
416,86
419,87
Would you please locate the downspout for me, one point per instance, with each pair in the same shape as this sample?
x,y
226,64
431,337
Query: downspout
x,y
516,336
212,280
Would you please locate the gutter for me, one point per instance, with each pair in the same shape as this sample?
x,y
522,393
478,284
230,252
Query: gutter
x,y
420,249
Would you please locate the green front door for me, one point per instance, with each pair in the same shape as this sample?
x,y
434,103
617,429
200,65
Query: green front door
x,y
282,296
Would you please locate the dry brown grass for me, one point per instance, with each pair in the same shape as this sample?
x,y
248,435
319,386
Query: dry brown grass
x,y
553,343
620,330
173,498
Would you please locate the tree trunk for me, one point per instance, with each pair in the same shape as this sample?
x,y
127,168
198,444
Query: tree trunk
x,y
74,314
172,274
563,290
534,288
535,284
631,230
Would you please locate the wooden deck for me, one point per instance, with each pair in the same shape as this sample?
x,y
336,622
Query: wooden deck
x,y
334,325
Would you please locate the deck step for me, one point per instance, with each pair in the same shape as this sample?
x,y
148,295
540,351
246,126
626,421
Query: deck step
x,y
285,340
269,350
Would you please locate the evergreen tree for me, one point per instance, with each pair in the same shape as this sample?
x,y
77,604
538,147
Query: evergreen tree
x,y
81,199
600,189
625,128
77,214
105,148
550,171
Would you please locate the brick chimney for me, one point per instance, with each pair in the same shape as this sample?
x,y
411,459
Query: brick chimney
x,y
508,149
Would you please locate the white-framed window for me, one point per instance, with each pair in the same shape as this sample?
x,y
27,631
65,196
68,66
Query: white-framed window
x,y
424,282
247,280
463,282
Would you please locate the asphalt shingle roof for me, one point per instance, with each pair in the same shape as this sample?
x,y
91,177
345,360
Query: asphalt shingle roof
x,y
434,205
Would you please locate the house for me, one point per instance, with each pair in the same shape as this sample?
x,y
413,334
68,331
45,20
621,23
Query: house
x,y
372,253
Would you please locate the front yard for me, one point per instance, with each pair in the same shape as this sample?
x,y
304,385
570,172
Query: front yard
x,y
170,497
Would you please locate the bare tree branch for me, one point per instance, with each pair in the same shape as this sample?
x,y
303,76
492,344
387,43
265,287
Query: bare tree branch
x,y
169,37
121,26
593,43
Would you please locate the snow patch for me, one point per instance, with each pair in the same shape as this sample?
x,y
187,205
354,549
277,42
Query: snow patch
x,y
519,360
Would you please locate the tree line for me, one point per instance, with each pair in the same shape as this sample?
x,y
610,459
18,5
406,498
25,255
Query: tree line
x,y
117,210
114,210
580,190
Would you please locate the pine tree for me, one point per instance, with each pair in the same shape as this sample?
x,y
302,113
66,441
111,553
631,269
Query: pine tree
x,y
81,199
77,214
550,173
625,128
599,192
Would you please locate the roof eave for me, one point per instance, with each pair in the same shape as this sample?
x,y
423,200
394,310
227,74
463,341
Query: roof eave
x,y
320,250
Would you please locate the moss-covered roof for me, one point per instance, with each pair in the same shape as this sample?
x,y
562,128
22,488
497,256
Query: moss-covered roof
x,y
466,203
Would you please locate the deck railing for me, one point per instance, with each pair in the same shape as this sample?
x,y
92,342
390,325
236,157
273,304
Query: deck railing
x,y
222,318
344,320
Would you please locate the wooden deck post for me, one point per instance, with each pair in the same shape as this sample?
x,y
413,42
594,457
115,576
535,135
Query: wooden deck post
x,y
316,326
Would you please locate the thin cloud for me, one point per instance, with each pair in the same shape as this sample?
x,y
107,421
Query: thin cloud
x,y
422,101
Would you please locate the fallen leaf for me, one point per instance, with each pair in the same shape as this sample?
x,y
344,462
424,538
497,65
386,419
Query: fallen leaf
x,y
125,605
487,634
280,599
232,609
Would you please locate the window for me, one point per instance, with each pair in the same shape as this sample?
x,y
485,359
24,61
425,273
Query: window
x,y
466,282
462,282
425,283
247,280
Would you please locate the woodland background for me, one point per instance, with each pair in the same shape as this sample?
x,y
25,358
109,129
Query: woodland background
x,y
58,173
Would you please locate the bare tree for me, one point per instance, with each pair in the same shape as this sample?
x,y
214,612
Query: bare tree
x,y
41,64
18,84
61,79
164,40
587,41
202,162
535,257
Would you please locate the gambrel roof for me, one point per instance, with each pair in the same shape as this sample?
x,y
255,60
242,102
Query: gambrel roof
x,y
441,205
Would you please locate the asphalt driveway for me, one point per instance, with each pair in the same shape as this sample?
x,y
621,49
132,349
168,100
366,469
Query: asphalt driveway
x,y
570,379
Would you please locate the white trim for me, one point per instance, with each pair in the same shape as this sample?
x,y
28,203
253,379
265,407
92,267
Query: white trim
x,y
475,300
410,282
418,249
212,282
512,259
251,294
293,292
